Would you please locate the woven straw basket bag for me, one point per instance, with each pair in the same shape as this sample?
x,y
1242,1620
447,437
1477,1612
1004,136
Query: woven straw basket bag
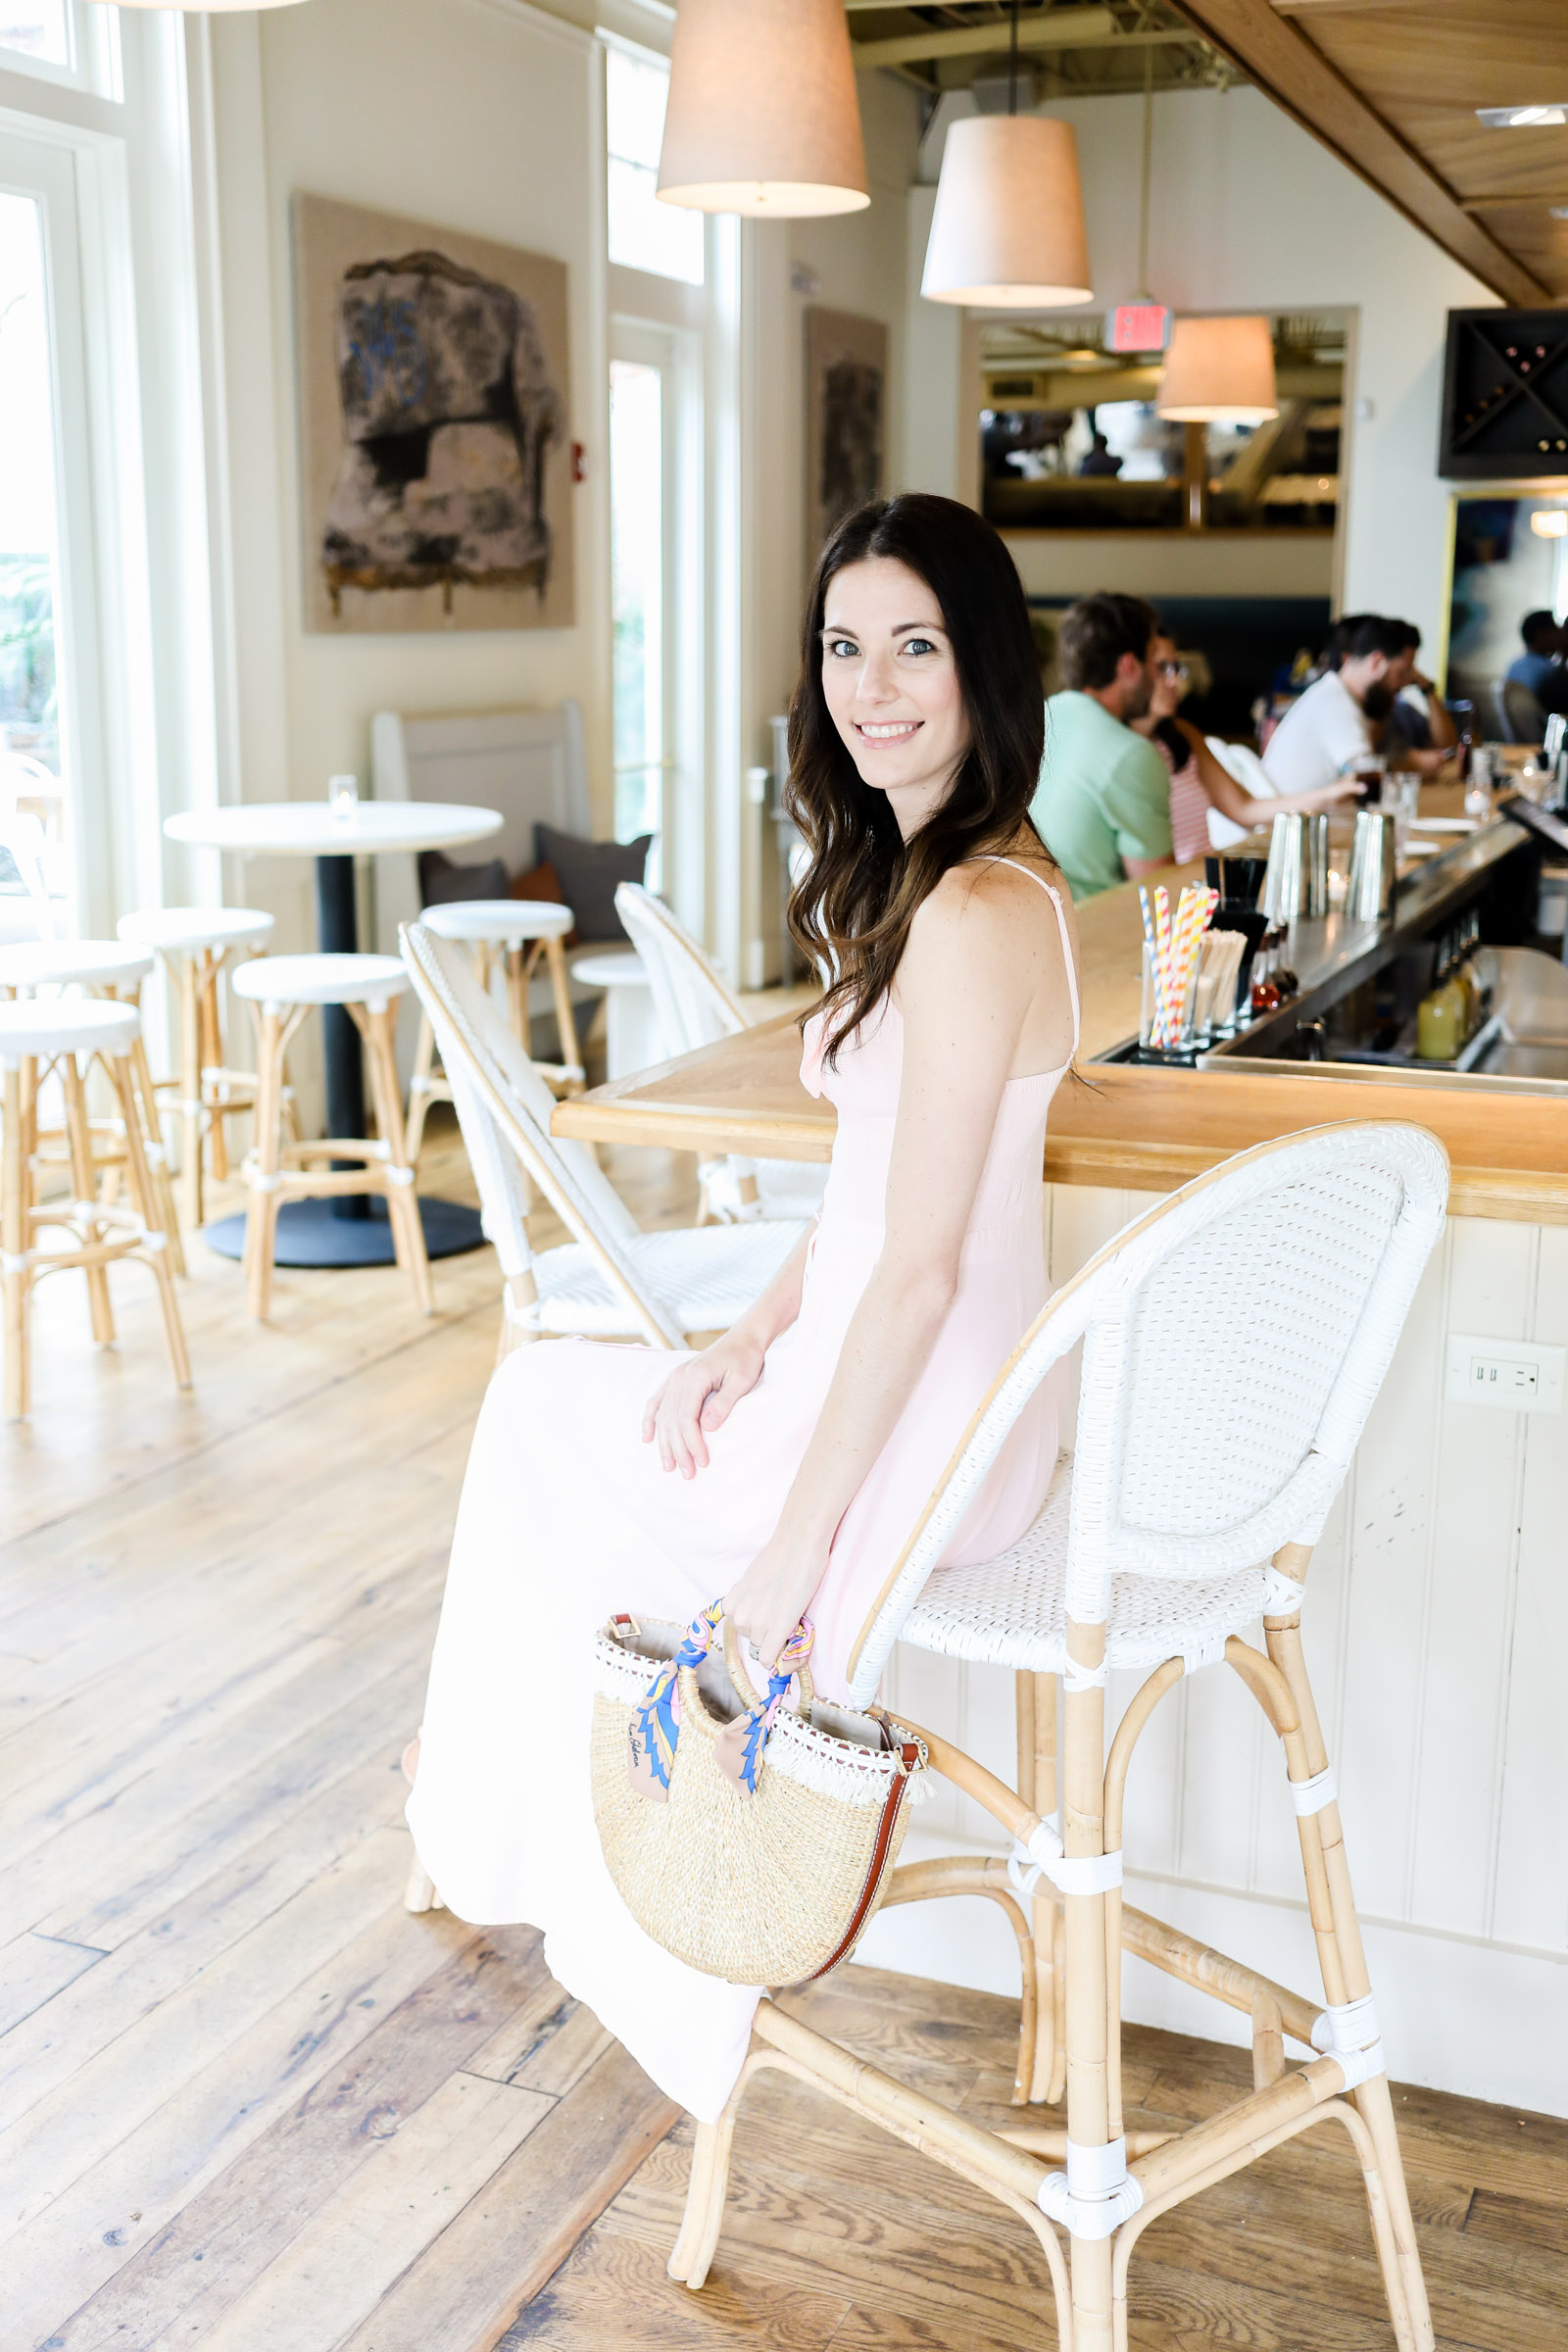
x,y
750,1836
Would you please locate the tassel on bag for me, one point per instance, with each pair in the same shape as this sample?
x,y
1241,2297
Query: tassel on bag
x,y
751,1839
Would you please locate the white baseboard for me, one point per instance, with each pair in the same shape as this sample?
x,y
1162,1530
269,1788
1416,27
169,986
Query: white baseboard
x,y
1485,2020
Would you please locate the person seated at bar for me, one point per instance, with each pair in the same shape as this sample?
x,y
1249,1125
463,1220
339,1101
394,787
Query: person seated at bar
x,y
1540,667
1328,734
1197,782
1098,459
1102,806
1419,733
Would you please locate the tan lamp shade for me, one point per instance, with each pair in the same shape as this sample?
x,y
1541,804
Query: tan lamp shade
x,y
1219,371
763,116
1008,231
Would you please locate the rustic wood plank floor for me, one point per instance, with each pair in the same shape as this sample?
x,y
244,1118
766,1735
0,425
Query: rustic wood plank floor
x,y
247,2103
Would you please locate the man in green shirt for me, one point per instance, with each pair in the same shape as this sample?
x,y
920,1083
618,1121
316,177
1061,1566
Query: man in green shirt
x,y
1102,806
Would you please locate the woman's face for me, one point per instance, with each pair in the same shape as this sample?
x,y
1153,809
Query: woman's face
x,y
1170,683
892,685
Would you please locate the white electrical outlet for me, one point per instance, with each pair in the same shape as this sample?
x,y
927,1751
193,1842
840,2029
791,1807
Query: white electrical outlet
x,y
1516,1376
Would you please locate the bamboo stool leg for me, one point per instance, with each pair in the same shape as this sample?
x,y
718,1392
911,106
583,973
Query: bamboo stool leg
x,y
261,1215
706,2191
420,1086
80,1138
141,1194
213,1061
517,996
190,1091
565,1020
1089,2026
14,1236
403,1207
1037,1712
420,1894
1346,1979
153,1146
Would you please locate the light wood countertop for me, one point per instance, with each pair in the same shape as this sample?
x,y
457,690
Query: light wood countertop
x,y
1121,1125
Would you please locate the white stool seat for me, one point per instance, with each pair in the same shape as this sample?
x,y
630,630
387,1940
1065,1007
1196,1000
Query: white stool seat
x,y
704,1278
73,1025
176,930
56,962
615,967
1013,1610
321,980
498,922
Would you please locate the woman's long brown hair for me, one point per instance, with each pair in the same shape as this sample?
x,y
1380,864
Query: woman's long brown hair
x,y
851,911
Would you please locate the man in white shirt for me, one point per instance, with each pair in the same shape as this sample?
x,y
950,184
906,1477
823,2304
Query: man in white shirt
x,y
1325,733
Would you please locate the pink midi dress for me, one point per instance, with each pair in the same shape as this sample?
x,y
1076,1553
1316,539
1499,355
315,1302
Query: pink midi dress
x,y
566,1517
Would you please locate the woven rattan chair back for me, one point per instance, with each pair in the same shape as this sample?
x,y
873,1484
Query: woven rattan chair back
x,y
694,1007
504,1109
1233,1339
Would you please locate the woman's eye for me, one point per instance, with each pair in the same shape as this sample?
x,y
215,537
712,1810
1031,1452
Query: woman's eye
x,y
919,645
843,648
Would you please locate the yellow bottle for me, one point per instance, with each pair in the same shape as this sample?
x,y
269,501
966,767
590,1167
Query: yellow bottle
x,y
1440,1023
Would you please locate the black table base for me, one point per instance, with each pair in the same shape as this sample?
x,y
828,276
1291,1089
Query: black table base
x,y
337,927
309,1234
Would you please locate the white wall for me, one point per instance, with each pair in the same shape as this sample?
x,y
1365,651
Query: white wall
x,y
1248,212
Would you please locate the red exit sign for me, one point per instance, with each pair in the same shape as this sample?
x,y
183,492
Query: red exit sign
x,y
1140,326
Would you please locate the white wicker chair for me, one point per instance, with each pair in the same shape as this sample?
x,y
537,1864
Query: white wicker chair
x,y
612,1279
695,1009
1233,1341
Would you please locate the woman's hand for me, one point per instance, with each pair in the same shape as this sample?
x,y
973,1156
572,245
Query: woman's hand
x,y
765,1604
698,1396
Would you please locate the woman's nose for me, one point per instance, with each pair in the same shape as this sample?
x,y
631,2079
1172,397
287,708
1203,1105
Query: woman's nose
x,y
878,682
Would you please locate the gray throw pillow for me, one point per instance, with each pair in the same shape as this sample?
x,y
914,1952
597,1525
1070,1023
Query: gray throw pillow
x,y
589,872
442,884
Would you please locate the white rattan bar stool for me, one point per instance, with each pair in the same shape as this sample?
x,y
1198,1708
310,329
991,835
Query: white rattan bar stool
x,y
63,1034
194,943
1234,1340
286,988
518,931
115,970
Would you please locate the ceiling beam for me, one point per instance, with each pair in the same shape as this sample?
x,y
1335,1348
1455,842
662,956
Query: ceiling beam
x,y
1059,28
1287,68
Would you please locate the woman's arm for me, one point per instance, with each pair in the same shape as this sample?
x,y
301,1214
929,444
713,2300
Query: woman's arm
x,y
700,1394
974,965
1243,807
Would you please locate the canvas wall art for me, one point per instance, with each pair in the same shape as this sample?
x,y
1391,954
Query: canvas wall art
x,y
437,455
845,410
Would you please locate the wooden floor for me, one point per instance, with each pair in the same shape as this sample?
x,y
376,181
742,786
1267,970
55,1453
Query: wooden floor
x,y
247,2102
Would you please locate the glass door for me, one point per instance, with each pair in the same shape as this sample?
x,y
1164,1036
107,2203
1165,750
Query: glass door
x,y
639,590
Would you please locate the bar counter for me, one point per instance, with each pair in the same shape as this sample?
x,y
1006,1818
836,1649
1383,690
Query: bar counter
x,y
1134,1126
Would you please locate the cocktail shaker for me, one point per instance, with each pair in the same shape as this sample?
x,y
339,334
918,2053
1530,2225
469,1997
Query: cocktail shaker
x,y
1297,879
1373,866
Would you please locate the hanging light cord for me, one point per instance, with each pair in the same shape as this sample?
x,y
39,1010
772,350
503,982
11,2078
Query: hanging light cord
x,y
1012,63
1148,159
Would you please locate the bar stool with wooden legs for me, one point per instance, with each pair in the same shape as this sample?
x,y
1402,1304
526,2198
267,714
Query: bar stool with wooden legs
x,y
63,1034
517,932
286,988
1234,1340
116,971
193,943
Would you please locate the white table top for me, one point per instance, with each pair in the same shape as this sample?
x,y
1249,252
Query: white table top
x,y
311,829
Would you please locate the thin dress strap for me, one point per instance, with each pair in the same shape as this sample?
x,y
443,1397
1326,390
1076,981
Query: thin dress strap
x,y
1055,896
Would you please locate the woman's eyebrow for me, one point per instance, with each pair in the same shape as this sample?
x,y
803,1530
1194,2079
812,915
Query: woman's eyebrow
x,y
931,628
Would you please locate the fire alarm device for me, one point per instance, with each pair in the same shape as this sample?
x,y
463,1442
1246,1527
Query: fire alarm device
x,y
1140,326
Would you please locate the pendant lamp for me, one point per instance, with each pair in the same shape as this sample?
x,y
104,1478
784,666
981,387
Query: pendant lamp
x,y
1008,231
1219,371
763,116
208,8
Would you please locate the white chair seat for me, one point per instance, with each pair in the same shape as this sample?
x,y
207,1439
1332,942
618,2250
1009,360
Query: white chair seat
x,y
178,930
498,922
617,968
321,980
704,1278
68,1025
58,962
1013,1610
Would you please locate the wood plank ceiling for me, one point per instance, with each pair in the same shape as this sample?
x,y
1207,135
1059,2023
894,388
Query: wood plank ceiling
x,y
1392,87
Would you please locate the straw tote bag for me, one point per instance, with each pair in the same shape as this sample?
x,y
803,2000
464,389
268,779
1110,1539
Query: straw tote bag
x,y
750,1836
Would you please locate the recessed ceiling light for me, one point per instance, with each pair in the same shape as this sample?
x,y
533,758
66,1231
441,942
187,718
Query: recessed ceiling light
x,y
1522,118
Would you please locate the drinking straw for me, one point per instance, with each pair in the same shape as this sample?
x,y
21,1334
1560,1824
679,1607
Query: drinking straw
x,y
1162,941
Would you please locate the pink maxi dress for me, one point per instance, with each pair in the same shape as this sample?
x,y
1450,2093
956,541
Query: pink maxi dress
x,y
568,1517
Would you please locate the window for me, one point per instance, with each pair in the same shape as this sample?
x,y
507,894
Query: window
x,y
644,234
70,41
37,27
637,592
31,769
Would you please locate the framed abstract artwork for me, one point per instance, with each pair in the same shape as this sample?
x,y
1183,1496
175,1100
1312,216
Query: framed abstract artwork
x,y
845,419
436,450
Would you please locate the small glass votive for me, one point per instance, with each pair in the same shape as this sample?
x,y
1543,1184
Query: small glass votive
x,y
1165,1029
343,795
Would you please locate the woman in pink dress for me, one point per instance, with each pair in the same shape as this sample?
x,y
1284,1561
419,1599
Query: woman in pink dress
x,y
784,1465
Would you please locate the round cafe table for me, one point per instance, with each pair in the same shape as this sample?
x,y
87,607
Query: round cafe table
x,y
346,1229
